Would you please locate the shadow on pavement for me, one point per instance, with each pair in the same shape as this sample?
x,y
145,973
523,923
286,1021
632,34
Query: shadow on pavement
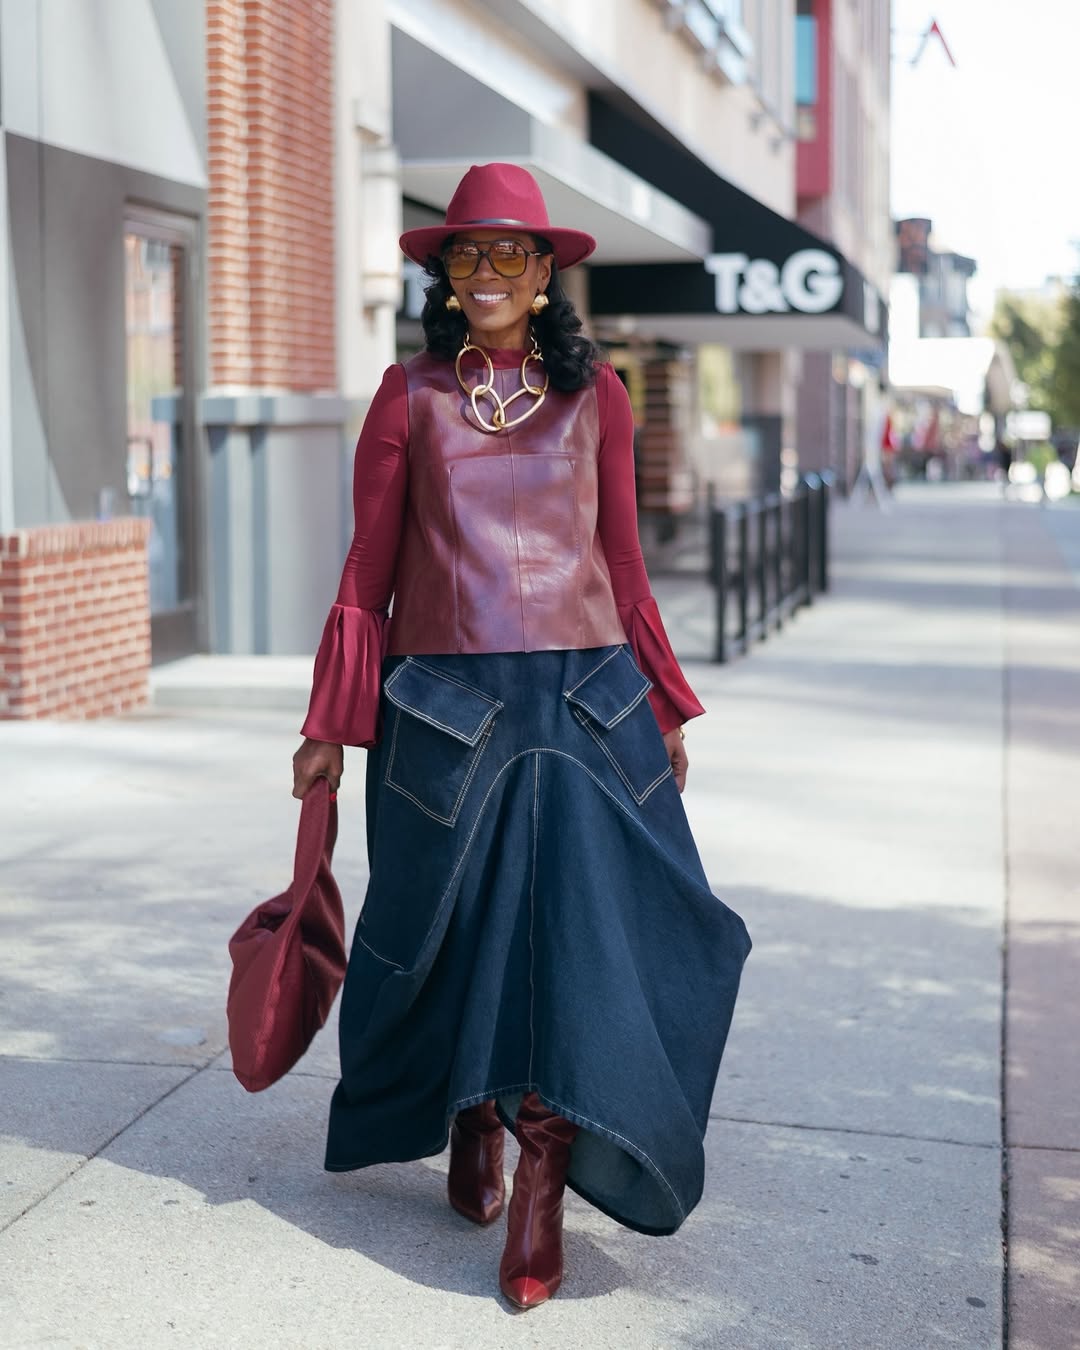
x,y
879,1020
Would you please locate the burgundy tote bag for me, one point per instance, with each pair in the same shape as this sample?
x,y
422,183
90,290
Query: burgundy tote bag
x,y
288,956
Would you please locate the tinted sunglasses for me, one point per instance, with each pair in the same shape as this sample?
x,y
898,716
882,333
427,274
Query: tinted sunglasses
x,y
506,256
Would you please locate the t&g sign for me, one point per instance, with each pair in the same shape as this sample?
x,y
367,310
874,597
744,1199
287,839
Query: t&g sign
x,y
809,281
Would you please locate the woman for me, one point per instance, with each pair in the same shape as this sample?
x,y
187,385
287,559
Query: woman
x,y
538,945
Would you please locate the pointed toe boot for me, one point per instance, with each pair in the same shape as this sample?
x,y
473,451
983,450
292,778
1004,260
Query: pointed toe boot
x,y
476,1185
532,1262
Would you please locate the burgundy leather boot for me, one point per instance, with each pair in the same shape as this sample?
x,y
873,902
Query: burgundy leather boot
x,y
532,1262
476,1184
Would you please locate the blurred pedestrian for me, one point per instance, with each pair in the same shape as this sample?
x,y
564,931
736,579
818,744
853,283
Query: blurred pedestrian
x,y
1066,448
538,945
1003,454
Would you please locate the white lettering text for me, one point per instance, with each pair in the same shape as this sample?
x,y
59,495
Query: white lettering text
x,y
809,281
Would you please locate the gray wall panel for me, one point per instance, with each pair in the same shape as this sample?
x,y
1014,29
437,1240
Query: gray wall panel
x,y
109,79
276,507
184,38
24,169
303,554
37,494
67,229
231,550
86,414
442,113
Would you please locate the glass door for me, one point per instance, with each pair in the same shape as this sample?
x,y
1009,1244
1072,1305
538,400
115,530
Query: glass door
x,y
160,460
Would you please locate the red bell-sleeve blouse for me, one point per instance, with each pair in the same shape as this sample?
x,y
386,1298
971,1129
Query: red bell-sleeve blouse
x,y
344,703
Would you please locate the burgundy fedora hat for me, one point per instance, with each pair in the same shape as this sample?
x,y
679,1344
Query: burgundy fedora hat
x,y
490,196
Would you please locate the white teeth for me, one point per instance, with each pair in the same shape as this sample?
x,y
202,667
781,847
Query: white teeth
x,y
483,299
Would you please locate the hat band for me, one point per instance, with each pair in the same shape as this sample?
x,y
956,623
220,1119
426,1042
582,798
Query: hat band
x,y
497,220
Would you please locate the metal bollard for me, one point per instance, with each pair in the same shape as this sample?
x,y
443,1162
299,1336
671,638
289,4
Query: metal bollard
x,y
781,559
827,480
777,559
719,567
744,577
813,535
804,544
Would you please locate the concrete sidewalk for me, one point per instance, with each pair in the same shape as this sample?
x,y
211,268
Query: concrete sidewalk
x,y
878,791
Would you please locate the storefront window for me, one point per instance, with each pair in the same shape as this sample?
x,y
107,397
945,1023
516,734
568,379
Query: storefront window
x,y
154,294
806,71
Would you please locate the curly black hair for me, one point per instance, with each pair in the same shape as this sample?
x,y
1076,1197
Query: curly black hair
x,y
570,359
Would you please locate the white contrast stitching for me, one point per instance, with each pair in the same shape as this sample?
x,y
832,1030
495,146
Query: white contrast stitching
x,y
489,1093
635,820
561,754
451,819
441,820
609,726
452,679
631,1147
592,672
569,1114
639,798
384,959
398,702
572,696
478,744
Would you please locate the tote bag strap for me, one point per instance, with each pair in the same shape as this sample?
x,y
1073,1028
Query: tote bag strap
x,y
315,836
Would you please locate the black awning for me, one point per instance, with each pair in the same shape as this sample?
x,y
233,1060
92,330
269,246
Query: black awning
x,y
769,282
813,298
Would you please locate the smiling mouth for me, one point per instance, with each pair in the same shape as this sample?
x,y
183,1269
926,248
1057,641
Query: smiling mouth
x,y
489,298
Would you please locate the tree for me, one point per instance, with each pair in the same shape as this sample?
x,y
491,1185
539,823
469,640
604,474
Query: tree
x,y
1065,384
1030,326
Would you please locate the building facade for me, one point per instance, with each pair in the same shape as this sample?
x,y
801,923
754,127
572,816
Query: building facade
x,y
732,268
103,197
842,174
196,343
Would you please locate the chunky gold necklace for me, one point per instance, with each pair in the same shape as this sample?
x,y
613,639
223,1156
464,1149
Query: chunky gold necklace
x,y
486,390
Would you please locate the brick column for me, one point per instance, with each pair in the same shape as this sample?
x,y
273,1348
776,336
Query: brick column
x,y
271,200
74,619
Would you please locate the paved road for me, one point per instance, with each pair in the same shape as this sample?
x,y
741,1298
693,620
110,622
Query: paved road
x,y
878,791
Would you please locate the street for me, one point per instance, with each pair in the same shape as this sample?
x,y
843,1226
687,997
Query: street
x,y
886,791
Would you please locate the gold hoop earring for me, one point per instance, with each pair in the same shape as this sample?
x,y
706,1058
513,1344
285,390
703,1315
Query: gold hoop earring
x,y
539,304
453,304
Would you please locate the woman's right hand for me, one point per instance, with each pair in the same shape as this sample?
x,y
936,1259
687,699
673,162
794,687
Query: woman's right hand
x,y
317,759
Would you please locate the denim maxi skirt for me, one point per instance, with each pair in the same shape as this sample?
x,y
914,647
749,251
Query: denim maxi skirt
x,y
537,919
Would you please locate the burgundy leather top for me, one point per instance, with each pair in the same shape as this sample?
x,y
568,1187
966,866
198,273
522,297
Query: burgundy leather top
x,y
499,551
585,441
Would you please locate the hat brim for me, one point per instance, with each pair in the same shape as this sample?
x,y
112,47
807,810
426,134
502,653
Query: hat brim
x,y
569,246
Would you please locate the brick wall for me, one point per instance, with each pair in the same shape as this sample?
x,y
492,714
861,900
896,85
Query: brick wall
x,y
664,483
74,619
271,206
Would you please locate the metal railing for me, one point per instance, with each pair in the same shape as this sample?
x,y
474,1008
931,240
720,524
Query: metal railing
x,y
767,557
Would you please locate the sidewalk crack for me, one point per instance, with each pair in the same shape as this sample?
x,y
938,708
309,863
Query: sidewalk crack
x,y
78,1167
855,1130
1044,1148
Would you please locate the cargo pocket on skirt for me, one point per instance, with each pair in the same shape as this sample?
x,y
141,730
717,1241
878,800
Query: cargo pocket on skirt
x,y
440,730
610,704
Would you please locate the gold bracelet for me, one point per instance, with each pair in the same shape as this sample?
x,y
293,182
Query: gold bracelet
x,y
682,733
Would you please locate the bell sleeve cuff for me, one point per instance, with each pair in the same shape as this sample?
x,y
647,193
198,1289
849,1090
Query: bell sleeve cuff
x,y
344,707
672,700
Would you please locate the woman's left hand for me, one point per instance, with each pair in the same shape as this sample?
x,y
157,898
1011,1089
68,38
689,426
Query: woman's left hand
x,y
676,748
